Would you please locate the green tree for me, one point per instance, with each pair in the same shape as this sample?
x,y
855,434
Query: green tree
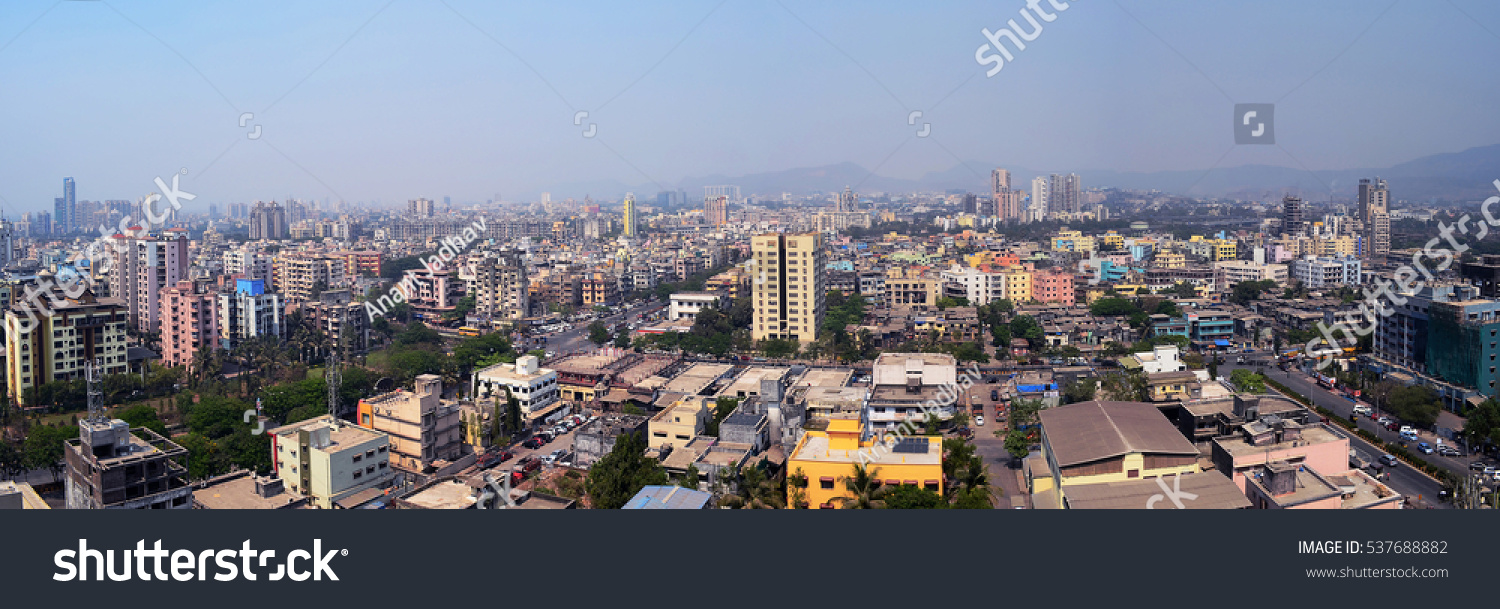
x,y
143,415
905,497
689,478
865,488
1184,289
43,447
1418,405
1482,426
1247,381
622,473
1081,390
1017,444
598,334
722,408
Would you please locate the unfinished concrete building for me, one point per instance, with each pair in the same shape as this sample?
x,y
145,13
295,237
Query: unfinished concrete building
x,y
111,466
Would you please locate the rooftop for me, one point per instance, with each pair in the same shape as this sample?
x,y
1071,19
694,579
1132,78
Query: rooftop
x,y
818,377
930,359
748,382
814,448
1214,492
238,493
445,495
1238,446
1092,431
697,378
668,498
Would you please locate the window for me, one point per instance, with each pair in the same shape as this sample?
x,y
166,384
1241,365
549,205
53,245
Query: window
x,y
358,474
826,482
357,458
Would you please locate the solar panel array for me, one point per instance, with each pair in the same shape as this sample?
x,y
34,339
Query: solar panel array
x,y
911,445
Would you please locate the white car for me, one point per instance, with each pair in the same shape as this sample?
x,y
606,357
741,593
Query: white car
x,y
1363,410
979,420
1407,429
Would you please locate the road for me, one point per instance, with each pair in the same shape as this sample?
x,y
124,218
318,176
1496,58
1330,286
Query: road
x,y
1404,479
577,339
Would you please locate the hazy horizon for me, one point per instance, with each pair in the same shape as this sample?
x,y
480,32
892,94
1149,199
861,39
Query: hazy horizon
x,y
390,101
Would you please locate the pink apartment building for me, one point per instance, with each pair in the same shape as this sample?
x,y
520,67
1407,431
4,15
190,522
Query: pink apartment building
x,y
1053,286
189,315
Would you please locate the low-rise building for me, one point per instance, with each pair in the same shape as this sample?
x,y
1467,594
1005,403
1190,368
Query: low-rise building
x,y
328,460
824,459
1100,442
534,387
425,433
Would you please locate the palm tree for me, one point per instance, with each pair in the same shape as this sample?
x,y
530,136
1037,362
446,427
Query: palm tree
x,y
865,485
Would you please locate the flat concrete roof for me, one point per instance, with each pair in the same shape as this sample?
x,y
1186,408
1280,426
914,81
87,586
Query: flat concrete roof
x,y
815,448
1238,446
697,378
239,494
445,495
748,382
818,377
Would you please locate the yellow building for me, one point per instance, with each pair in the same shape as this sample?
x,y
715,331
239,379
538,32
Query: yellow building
x,y
1112,240
632,217
1224,249
824,460
1101,442
1018,285
1169,260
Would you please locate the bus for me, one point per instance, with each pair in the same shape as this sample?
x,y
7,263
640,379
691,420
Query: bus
x,y
468,331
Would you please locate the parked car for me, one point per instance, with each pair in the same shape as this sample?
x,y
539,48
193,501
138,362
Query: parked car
x,y
1363,410
1424,448
994,395
1392,426
1449,451
1409,435
1478,466
1407,429
534,442
979,420
1389,460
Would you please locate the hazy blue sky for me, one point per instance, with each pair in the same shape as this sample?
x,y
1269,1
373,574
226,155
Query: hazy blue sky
x,y
378,100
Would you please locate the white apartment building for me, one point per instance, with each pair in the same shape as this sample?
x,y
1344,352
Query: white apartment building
x,y
982,288
1230,272
1315,272
248,312
253,264
535,388
687,305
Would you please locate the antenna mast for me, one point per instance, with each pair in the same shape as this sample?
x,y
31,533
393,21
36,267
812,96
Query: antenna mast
x,y
95,396
334,378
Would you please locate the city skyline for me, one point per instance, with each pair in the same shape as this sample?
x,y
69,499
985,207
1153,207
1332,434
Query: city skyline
x,y
392,102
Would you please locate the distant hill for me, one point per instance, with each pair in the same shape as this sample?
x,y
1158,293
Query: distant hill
x,y
1460,176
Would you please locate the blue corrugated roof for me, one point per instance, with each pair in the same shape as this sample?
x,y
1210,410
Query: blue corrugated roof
x,y
667,498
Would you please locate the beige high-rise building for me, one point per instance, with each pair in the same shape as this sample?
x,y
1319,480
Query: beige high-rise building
x,y
788,275
1374,213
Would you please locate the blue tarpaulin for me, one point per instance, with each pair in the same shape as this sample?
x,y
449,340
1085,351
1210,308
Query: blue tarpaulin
x,y
1221,342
